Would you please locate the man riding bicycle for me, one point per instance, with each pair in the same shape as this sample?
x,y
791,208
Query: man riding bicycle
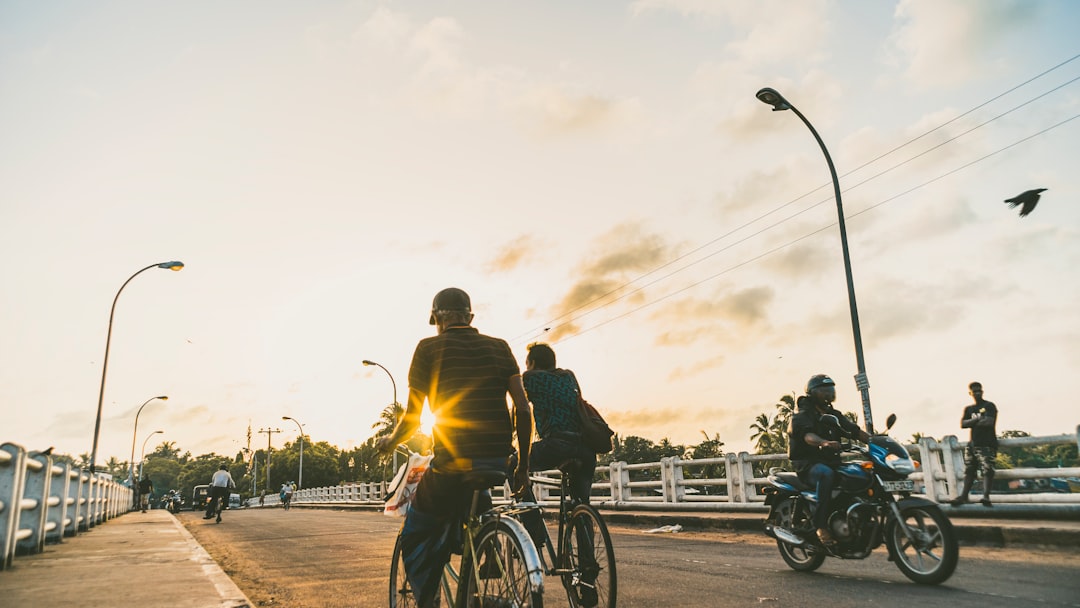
x,y
464,376
219,492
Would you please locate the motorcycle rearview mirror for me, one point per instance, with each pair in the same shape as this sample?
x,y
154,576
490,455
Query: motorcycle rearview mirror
x,y
889,422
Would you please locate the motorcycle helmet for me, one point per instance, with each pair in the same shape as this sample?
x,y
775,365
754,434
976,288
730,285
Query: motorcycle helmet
x,y
818,381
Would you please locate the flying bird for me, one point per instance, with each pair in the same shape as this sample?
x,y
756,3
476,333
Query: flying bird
x,y
1028,199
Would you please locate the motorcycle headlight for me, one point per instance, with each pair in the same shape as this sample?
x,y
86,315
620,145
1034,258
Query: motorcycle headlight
x,y
904,466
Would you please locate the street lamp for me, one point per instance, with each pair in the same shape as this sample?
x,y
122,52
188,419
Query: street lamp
x,y
175,266
391,376
300,480
366,362
142,454
131,468
773,98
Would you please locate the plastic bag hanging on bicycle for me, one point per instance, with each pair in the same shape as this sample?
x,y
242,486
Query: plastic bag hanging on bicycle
x,y
403,487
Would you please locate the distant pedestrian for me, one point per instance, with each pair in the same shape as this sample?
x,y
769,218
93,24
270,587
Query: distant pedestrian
x,y
145,488
981,418
262,498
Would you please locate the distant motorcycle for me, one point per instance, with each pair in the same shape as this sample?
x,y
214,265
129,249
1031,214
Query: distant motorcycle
x,y
865,512
174,502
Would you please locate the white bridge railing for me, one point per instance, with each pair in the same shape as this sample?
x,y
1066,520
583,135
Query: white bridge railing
x,y
41,501
733,482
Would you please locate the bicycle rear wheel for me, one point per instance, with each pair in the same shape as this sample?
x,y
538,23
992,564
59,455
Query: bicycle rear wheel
x,y
586,552
503,568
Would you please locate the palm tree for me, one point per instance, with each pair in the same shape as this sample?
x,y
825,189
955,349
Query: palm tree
x,y
116,468
388,419
762,434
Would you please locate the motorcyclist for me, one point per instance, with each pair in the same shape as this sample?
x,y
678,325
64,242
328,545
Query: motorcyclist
x,y
814,446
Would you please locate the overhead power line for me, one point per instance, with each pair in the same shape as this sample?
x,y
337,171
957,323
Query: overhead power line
x,y
602,301
810,234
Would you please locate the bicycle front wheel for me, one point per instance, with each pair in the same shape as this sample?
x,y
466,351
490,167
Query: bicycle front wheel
x,y
503,570
401,592
587,555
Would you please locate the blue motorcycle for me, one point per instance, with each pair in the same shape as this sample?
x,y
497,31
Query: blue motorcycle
x,y
871,504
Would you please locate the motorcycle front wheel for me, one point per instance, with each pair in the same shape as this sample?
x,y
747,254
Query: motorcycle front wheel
x,y
802,558
930,556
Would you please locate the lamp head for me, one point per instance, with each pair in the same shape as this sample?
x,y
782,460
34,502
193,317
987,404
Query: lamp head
x,y
162,397
773,98
286,418
174,265
366,362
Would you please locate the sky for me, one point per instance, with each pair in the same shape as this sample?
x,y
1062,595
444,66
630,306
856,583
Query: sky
x,y
596,175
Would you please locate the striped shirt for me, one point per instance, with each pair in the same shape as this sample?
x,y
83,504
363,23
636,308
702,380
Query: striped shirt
x,y
465,376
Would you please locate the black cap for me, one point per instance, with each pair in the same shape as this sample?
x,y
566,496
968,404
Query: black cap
x,y
450,299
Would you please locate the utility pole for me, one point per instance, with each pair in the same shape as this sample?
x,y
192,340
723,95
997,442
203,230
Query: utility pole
x,y
269,435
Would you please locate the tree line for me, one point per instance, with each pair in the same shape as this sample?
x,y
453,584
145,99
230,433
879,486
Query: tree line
x,y
327,465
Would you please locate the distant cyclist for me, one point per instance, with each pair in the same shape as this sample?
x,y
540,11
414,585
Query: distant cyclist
x,y
464,376
219,492
287,489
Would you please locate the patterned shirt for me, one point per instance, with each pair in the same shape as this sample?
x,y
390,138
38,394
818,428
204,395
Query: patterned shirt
x,y
554,396
465,376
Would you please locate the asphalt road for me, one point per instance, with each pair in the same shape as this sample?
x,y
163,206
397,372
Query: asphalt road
x,y
330,559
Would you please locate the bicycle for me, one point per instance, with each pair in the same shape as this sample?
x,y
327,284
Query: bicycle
x,y
584,558
508,573
217,509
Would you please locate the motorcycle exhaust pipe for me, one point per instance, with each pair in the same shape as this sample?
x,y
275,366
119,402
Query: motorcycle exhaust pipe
x,y
787,536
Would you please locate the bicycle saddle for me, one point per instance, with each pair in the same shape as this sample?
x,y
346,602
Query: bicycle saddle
x,y
476,473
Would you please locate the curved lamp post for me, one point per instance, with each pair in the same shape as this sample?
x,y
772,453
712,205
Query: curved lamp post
x,y
134,432
391,376
142,454
300,479
367,362
773,98
175,266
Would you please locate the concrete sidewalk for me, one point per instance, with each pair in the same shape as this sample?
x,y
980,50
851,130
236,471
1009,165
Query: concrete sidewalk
x,y
137,559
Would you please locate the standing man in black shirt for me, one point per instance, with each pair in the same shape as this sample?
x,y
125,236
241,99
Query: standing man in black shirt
x,y
145,488
981,418
464,376
814,446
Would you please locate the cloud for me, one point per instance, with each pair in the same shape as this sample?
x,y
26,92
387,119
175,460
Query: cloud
x,y
513,254
718,318
772,30
804,260
925,218
944,42
624,253
550,109
385,29
683,372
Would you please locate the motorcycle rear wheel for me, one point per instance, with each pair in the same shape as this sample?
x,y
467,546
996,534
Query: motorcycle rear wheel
x,y
801,558
930,558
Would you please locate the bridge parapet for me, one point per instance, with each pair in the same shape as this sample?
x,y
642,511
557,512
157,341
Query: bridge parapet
x,y
733,482
41,501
